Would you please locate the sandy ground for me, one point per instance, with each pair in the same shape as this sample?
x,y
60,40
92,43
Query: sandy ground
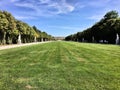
x,y
19,45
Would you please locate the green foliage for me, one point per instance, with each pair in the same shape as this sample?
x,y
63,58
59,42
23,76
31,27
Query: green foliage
x,y
3,22
10,28
105,30
61,66
111,15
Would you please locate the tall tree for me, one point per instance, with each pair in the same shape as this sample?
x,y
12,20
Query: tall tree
x,y
3,27
103,31
111,15
11,27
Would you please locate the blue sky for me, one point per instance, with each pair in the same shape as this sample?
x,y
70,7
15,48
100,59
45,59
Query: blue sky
x,y
60,17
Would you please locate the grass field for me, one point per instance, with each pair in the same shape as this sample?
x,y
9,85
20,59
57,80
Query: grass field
x,y
61,66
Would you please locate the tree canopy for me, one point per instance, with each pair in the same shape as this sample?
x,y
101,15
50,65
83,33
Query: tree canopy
x,y
103,31
10,28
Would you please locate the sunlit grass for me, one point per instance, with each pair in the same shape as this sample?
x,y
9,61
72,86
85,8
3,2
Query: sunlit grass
x,y
61,66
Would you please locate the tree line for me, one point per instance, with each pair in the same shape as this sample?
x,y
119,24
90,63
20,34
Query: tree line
x,y
11,29
107,30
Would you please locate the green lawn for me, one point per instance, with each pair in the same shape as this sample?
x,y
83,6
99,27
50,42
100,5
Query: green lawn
x,y
61,66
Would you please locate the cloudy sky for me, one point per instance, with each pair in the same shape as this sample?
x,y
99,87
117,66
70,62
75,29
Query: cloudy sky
x,y
60,17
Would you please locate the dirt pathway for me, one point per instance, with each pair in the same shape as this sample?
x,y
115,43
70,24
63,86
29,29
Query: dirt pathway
x,y
19,45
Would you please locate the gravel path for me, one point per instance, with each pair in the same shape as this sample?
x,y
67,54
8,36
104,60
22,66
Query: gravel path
x,y
19,45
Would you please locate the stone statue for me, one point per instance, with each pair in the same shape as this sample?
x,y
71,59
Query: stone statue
x,y
93,39
41,39
117,39
19,39
83,40
35,40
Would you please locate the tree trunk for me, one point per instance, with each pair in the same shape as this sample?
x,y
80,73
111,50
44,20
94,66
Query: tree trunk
x,y
4,37
8,38
1,38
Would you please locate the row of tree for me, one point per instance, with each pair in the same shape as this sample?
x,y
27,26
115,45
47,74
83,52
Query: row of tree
x,y
11,29
107,30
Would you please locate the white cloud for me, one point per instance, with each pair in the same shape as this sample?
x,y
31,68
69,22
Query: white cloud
x,y
44,1
96,17
98,3
102,7
24,17
43,7
14,0
27,5
67,28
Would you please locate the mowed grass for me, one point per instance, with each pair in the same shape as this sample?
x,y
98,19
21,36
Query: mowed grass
x,y
61,66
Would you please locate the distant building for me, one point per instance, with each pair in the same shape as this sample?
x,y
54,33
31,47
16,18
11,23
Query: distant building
x,y
59,38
